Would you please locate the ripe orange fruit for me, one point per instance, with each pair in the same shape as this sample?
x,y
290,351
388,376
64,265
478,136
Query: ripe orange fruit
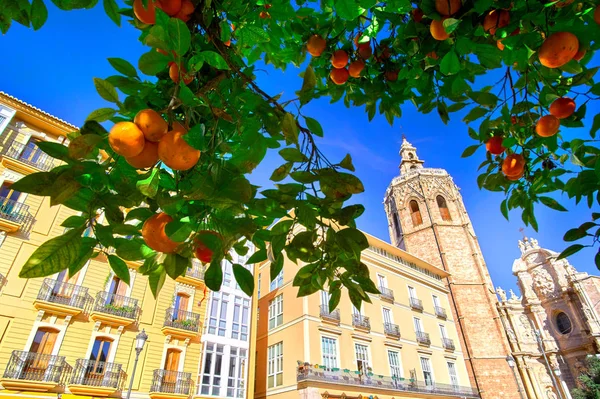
x,y
174,74
365,51
417,14
151,124
126,139
579,54
339,76
316,45
558,49
186,11
447,7
391,76
147,158
437,30
562,107
496,19
175,152
146,15
500,45
339,59
547,126
171,7
153,233
597,14
202,252
356,68
513,166
264,15
494,145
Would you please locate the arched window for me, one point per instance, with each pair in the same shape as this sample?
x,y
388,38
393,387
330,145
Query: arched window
x,y
441,201
563,323
413,167
411,155
415,213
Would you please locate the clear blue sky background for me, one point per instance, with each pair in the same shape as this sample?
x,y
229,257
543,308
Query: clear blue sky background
x,y
53,70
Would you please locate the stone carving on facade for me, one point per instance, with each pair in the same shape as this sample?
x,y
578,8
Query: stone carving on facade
x,y
525,326
512,337
528,244
513,296
501,293
543,283
550,394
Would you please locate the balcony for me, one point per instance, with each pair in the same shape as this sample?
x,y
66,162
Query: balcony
x,y
361,322
416,304
168,384
423,338
391,330
194,275
15,216
394,386
93,378
448,344
115,310
180,323
386,294
30,371
28,156
331,317
440,312
61,298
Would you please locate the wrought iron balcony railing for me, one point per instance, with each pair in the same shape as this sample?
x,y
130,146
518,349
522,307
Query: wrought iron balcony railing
x,y
386,293
16,212
440,312
423,338
181,319
347,377
98,374
195,271
416,303
393,330
33,366
327,315
175,382
29,154
448,344
117,305
63,293
360,321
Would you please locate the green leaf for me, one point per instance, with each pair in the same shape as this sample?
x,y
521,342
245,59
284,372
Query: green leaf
x,y
258,256
347,163
575,234
123,66
475,114
250,34
106,90
289,128
334,299
64,188
450,64
552,203
213,276
450,24
178,231
36,183
38,14
276,267
195,137
212,58
595,126
292,155
101,115
53,255
570,251
348,9
149,185
244,278
175,265
140,214
119,267
281,172
483,98
470,150
55,150
112,10
504,208
156,279
85,253
133,249
153,62
314,126
74,221
179,36
83,145
305,177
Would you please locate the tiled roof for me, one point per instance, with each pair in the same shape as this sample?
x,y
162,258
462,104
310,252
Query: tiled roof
x,y
38,110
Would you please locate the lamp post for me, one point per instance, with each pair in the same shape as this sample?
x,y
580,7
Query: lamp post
x,y
551,372
140,341
511,363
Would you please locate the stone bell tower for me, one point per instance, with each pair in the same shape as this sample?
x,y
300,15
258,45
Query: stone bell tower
x,y
427,218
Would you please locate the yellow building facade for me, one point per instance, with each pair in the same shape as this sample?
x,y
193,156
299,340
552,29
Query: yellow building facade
x,y
402,345
74,336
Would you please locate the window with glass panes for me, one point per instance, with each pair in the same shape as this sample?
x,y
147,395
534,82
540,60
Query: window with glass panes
x,y
427,374
278,282
329,350
362,357
239,327
276,311
227,275
212,369
258,289
325,300
217,322
275,365
236,383
452,373
395,365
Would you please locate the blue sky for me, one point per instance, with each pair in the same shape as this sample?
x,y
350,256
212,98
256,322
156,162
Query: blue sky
x,y
53,70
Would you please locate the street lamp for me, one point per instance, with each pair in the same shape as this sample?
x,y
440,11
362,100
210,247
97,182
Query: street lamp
x,y
511,363
140,341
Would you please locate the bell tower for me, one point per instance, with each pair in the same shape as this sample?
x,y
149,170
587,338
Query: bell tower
x,y
427,217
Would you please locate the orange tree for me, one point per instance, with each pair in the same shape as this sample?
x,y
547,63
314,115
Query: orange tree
x,y
172,175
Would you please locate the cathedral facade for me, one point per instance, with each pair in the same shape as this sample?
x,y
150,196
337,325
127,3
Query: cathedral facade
x,y
553,325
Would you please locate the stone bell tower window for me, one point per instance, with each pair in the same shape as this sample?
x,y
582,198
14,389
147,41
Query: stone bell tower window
x,y
444,212
563,323
415,213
